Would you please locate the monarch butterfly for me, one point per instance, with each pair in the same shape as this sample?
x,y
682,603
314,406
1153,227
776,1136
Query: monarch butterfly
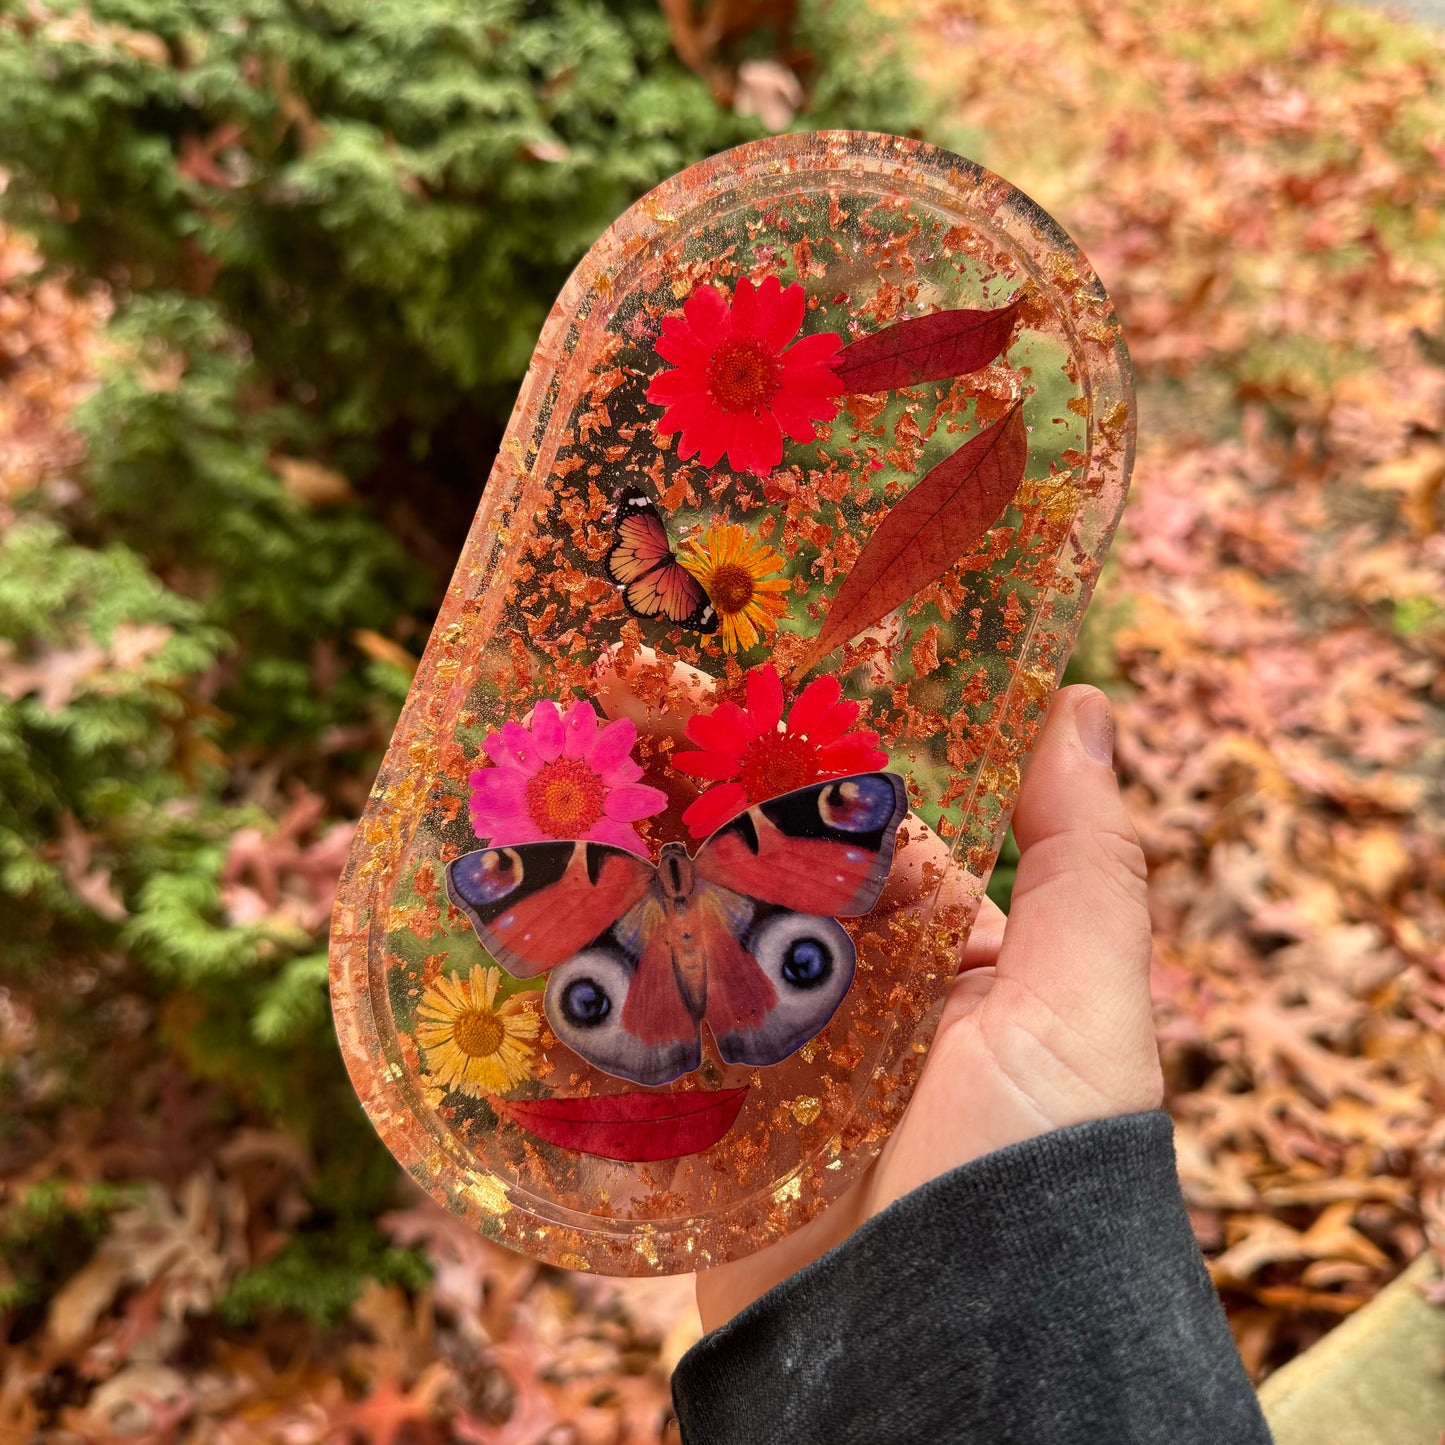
x,y
654,583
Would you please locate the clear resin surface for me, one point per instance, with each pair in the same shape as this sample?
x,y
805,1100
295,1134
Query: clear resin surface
x,y
647,925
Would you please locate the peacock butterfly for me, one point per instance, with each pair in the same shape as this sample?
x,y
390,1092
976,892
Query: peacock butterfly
x,y
741,936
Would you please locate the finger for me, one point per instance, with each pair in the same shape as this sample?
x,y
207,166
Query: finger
x,y
984,939
1078,931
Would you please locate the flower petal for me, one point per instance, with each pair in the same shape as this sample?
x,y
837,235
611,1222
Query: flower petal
x,y
809,380
681,345
749,308
579,729
513,747
835,722
621,773
670,385
695,416
765,698
547,730
719,732
706,436
783,314
855,754
614,742
707,313
714,808
798,416
717,766
744,627
618,834
812,703
812,350
634,801
737,718
497,792
519,830
756,443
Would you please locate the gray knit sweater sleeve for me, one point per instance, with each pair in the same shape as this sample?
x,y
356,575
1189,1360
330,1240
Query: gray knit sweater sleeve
x,y
1049,1294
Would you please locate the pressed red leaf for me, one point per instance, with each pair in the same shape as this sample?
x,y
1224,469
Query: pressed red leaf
x,y
926,532
633,1127
925,348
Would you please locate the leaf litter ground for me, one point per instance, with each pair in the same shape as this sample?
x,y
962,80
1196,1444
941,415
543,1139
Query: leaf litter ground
x,y
1261,190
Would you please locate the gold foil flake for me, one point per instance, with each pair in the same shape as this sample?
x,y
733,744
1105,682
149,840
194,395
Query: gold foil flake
x,y
487,1192
806,1108
789,1191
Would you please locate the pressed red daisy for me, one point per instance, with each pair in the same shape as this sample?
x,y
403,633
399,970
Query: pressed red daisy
x,y
738,385
754,753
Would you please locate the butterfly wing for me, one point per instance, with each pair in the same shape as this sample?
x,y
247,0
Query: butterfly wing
x,y
804,859
653,582
533,905
777,986
618,1004
824,850
592,915
761,914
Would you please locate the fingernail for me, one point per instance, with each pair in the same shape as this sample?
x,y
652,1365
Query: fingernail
x,y
1094,719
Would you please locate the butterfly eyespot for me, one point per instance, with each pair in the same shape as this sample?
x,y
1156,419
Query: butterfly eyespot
x,y
857,805
487,877
585,1002
808,963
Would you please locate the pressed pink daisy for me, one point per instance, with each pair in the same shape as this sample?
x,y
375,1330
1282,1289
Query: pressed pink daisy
x,y
738,385
562,777
751,754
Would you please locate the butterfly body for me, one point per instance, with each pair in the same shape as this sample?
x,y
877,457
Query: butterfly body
x,y
742,937
654,583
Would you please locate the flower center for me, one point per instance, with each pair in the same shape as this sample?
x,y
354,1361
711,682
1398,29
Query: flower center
x,y
478,1032
743,375
730,588
565,798
777,764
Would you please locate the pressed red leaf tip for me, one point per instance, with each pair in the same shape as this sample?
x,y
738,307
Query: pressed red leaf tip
x,y
926,531
925,348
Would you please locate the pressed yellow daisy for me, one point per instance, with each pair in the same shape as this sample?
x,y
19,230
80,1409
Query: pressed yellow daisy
x,y
736,573
472,1042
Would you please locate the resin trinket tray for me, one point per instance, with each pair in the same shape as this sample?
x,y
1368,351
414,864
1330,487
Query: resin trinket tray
x,y
647,925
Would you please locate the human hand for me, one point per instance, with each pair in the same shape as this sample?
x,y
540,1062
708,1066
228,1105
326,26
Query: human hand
x,y
1049,1021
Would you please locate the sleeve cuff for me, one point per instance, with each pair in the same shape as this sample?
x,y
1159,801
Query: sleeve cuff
x,y
1052,1292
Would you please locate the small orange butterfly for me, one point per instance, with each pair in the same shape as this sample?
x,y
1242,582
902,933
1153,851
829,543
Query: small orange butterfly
x,y
654,583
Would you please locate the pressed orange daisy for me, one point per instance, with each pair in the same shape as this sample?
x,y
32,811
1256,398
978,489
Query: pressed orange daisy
x,y
736,571
472,1042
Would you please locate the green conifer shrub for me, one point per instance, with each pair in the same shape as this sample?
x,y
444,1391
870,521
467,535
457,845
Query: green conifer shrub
x,y
331,230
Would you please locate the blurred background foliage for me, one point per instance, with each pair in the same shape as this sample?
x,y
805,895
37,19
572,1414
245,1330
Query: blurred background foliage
x,y
289,260
327,235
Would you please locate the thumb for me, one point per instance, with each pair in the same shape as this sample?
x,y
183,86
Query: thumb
x,y
1073,969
